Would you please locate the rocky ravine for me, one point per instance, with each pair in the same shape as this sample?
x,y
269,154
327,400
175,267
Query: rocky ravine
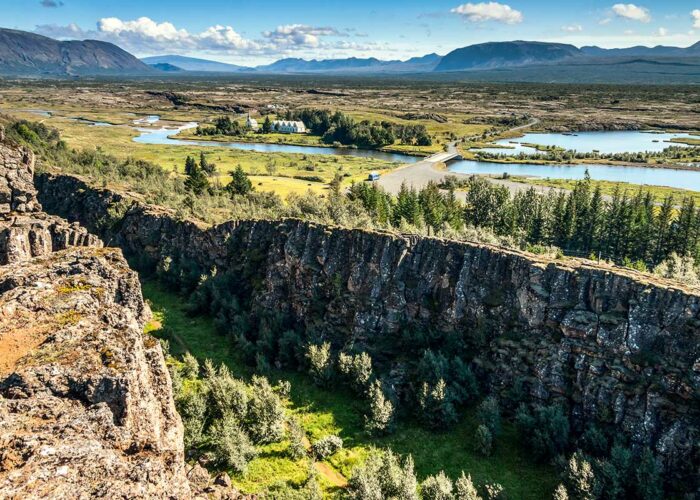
x,y
616,347
86,407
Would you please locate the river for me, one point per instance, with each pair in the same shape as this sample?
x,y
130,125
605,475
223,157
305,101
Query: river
x,y
684,179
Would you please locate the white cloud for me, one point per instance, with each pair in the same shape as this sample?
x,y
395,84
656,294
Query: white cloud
x,y
604,21
629,32
144,36
144,30
662,32
491,11
57,31
572,28
696,18
632,12
299,35
225,38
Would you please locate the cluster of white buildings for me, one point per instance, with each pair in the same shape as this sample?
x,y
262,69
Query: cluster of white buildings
x,y
281,126
289,127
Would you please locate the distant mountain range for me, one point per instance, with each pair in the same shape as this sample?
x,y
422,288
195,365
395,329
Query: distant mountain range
x,y
483,56
193,64
29,54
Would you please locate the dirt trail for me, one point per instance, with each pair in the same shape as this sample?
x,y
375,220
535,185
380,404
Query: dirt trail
x,y
333,476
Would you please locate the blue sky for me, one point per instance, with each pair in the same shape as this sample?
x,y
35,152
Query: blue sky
x,y
253,32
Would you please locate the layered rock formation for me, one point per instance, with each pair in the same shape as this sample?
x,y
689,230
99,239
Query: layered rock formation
x,y
616,347
86,407
25,231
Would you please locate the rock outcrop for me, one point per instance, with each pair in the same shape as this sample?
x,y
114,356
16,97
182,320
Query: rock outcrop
x,y
86,408
25,231
616,347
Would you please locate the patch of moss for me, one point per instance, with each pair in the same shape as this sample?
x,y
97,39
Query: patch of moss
x,y
68,318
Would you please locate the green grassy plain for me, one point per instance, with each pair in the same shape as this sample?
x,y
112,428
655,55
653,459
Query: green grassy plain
x,y
118,141
323,412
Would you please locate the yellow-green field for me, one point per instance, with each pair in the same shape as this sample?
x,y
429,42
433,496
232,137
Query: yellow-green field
x,y
118,141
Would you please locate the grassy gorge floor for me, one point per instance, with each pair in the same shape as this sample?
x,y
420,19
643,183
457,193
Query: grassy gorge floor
x,y
325,412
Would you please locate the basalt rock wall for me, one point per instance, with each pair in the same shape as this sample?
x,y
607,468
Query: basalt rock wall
x,y
86,407
615,346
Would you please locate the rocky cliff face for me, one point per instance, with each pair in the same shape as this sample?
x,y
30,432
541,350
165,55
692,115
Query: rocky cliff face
x,y
86,407
26,231
615,347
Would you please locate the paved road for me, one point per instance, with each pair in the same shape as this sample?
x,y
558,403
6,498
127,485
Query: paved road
x,y
431,169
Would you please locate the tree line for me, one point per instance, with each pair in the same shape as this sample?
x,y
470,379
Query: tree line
x,y
339,127
626,227
555,154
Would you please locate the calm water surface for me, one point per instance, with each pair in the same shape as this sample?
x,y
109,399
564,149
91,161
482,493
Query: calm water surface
x,y
588,142
684,179
162,136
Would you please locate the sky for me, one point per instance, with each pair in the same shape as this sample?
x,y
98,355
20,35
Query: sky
x,y
257,32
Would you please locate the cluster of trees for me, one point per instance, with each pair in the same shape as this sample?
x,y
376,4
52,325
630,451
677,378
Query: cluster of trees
x,y
340,128
559,155
629,228
387,475
197,178
333,127
225,418
223,126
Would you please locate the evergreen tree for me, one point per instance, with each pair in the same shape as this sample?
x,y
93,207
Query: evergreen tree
x,y
437,487
380,418
560,493
190,165
320,364
648,474
240,183
436,405
196,181
580,477
465,489
207,168
267,125
483,440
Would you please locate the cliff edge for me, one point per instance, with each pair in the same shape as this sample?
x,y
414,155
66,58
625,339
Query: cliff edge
x,y
86,407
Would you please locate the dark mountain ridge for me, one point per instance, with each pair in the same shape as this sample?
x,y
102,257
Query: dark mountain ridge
x,y
29,54
503,54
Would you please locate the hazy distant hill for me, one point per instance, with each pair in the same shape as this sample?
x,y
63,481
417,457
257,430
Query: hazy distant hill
x,y
194,64
352,65
295,65
505,54
167,67
641,51
28,54
607,70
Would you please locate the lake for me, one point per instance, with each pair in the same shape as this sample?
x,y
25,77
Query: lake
x,y
684,179
588,142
